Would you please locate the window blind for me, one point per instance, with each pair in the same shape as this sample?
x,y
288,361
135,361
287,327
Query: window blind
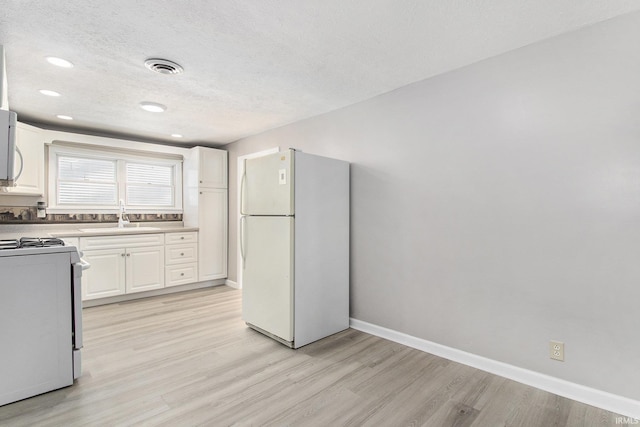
x,y
83,181
149,184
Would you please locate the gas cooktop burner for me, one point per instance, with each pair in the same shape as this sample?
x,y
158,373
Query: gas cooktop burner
x,y
9,244
31,242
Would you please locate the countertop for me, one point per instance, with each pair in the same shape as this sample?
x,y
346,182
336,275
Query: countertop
x,y
74,230
114,231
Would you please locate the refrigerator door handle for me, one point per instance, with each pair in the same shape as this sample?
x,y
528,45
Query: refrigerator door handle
x,y
242,221
244,178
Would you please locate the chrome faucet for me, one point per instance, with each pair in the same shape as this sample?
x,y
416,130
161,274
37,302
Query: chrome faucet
x,y
123,218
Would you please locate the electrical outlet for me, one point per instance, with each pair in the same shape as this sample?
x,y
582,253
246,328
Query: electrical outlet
x,y
556,350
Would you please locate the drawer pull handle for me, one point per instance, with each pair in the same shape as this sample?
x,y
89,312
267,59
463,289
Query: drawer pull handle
x,y
182,274
121,254
182,238
182,254
128,254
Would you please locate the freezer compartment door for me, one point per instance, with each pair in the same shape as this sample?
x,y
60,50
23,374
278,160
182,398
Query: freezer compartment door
x,y
267,284
267,185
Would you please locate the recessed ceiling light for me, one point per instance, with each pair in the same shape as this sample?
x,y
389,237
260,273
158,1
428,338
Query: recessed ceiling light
x,y
63,117
59,62
49,92
154,107
176,135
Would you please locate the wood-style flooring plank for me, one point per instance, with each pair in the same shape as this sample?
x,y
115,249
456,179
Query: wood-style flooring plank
x,y
188,359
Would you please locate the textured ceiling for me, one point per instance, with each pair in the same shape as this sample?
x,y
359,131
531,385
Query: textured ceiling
x,y
252,65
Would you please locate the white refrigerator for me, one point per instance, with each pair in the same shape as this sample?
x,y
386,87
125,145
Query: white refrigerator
x,y
294,242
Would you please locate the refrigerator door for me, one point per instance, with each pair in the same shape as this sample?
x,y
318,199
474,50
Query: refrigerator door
x,y
267,288
267,185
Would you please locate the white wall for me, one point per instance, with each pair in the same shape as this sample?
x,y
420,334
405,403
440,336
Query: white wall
x,y
497,207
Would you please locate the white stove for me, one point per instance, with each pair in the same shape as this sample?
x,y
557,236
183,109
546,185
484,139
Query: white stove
x,y
40,316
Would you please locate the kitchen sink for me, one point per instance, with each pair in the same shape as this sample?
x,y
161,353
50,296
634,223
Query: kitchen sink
x,y
117,229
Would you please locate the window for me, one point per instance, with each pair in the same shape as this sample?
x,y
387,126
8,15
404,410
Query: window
x,y
85,181
93,181
149,185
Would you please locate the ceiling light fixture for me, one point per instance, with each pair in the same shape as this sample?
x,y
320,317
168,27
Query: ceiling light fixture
x,y
63,117
163,66
176,135
49,92
59,62
153,107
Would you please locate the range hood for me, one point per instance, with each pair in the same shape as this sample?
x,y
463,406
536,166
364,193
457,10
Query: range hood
x,y
4,97
8,122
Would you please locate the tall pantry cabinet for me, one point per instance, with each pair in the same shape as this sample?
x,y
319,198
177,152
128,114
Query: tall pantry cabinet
x,y
205,207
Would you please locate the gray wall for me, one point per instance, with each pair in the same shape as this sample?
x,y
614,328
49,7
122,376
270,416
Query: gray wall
x,y
497,207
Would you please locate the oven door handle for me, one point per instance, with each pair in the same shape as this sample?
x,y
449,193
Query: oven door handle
x,y
77,304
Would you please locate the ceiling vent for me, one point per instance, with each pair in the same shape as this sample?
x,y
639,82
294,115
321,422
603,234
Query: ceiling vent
x,y
163,66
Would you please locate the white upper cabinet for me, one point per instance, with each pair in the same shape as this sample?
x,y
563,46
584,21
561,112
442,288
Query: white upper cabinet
x,y
206,167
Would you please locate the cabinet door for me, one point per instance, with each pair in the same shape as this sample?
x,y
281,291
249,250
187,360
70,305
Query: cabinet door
x,y
30,141
145,268
212,168
212,239
106,276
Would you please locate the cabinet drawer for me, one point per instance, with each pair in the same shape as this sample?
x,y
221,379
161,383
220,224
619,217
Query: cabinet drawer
x,y
123,241
179,254
181,274
187,237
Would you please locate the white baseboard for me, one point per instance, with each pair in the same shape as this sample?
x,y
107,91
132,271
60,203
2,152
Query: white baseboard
x,y
231,284
601,399
156,292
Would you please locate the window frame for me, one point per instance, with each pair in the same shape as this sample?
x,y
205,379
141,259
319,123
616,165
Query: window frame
x,y
122,158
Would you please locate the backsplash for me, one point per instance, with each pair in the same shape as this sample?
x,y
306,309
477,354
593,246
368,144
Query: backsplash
x,y
29,215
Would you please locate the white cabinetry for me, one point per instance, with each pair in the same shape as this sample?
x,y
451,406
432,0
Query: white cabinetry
x,y
30,142
122,264
213,224
206,167
144,268
181,258
106,276
205,199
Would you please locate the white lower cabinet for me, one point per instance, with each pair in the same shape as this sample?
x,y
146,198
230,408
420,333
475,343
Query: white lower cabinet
x,y
181,274
122,264
181,258
144,268
130,263
106,277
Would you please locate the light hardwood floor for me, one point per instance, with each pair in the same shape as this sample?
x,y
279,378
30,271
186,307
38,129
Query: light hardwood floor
x,y
188,359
